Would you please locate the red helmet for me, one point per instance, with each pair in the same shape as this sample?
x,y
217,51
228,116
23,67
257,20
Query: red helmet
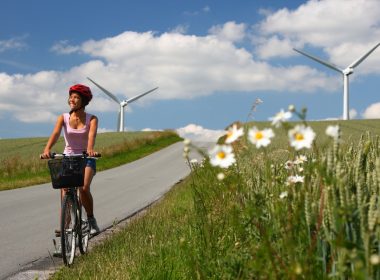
x,y
82,90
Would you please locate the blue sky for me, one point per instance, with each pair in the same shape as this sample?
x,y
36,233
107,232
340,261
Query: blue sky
x,y
210,59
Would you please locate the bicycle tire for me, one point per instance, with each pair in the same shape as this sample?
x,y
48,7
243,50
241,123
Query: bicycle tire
x,y
68,229
84,232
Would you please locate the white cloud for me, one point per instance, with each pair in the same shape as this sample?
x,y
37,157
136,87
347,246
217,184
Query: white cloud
x,y
353,113
181,29
105,130
63,47
16,43
229,31
39,116
372,111
198,133
151,129
183,66
269,47
344,29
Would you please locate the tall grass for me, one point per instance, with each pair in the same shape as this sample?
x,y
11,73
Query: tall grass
x,y
253,224
20,165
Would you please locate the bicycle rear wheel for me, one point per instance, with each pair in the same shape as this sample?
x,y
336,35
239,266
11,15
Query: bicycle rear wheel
x,y
68,229
84,233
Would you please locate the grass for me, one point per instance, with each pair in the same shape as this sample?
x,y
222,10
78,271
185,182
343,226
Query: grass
x,y
243,227
20,165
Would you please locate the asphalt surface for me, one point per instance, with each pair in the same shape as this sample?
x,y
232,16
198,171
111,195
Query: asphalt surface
x,y
29,216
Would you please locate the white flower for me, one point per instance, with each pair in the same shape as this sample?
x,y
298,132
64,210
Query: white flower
x,y
280,117
283,195
222,155
301,137
220,176
233,133
292,108
289,165
295,179
375,259
194,161
333,131
260,138
300,159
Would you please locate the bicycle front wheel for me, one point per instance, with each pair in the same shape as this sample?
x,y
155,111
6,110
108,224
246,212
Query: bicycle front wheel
x,y
84,233
68,229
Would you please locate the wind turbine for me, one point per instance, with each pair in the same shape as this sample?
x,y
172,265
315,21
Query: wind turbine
x,y
122,103
346,72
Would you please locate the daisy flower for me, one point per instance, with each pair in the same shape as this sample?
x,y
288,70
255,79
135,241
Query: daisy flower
x,y
280,117
222,155
301,137
333,131
295,179
289,164
283,195
220,176
300,159
233,133
194,161
260,138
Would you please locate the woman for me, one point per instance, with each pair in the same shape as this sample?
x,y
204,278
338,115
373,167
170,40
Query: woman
x,y
80,130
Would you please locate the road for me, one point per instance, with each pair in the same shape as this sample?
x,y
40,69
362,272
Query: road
x,y
29,216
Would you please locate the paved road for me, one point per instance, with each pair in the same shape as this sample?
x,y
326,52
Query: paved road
x,y
29,216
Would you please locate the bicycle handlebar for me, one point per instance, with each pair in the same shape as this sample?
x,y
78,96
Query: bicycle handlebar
x,y
57,155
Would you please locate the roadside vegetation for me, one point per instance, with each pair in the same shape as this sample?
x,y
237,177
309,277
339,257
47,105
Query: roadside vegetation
x,y
293,202
20,165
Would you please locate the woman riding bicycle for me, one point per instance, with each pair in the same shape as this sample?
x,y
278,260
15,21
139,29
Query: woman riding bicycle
x,y
80,129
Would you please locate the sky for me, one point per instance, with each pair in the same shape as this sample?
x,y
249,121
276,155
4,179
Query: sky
x,y
210,59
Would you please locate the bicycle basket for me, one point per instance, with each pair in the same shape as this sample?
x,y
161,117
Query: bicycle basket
x,y
67,172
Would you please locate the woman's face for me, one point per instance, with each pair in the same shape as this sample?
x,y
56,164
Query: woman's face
x,y
75,101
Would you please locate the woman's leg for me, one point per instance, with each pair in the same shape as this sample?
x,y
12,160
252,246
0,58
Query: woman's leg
x,y
85,193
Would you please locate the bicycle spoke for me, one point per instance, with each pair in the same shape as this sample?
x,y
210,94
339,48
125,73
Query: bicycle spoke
x,y
68,230
84,232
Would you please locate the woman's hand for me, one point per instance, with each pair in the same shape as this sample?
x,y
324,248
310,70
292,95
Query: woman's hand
x,y
92,153
45,154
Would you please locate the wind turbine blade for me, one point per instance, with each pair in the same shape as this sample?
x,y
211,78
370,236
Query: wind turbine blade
x,y
139,96
105,91
357,62
328,64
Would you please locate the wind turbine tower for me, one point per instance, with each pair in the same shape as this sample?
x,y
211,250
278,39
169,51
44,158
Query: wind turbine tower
x,y
122,103
345,72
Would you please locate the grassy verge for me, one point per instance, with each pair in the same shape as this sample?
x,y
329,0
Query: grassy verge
x,y
254,223
21,167
148,249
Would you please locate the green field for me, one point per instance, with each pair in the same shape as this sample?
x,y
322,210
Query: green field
x,y
252,224
20,165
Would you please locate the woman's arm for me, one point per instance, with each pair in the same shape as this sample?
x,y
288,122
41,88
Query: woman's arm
x,y
53,137
92,136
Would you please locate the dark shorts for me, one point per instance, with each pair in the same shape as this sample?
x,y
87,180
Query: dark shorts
x,y
90,162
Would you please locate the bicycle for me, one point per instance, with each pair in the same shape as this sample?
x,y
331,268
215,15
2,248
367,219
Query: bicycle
x,y
67,171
